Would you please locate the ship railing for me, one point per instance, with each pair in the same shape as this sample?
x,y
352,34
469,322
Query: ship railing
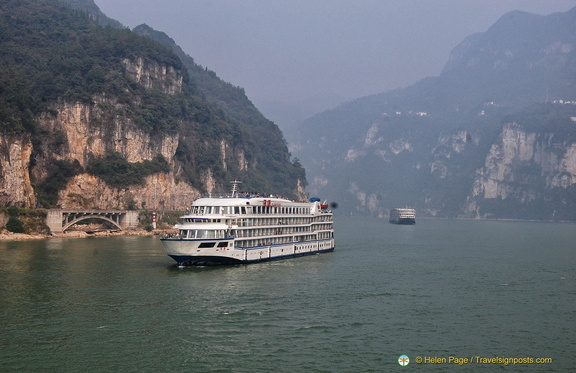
x,y
244,195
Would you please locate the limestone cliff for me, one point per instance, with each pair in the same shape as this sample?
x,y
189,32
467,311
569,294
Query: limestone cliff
x,y
154,75
15,185
160,191
82,132
523,168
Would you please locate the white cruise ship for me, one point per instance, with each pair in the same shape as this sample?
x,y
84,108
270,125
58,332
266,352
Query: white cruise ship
x,y
245,229
403,216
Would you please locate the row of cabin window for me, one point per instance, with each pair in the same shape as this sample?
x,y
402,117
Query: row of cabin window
x,y
281,230
242,210
285,239
203,233
275,241
248,222
242,222
220,233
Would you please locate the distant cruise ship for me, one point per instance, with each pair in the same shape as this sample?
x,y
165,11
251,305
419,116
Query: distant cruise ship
x,y
250,228
403,216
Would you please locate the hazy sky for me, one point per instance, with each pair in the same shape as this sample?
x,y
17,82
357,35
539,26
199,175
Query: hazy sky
x,y
296,50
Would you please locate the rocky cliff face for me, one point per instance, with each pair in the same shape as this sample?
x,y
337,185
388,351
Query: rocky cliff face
x,y
153,75
82,132
79,132
15,185
523,167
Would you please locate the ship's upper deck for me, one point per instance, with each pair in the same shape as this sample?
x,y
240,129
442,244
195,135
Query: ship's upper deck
x,y
253,206
246,201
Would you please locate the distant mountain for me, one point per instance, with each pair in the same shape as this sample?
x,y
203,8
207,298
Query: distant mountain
x,y
492,137
102,117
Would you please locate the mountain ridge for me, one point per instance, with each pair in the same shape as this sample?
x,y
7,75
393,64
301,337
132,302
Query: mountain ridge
x,y
442,143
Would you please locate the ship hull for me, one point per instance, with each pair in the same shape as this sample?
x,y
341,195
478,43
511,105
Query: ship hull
x,y
408,221
187,252
402,216
189,260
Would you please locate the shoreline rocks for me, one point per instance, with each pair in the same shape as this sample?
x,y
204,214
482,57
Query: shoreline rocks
x,y
9,236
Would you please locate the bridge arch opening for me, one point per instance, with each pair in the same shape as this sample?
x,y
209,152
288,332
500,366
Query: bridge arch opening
x,y
111,224
60,220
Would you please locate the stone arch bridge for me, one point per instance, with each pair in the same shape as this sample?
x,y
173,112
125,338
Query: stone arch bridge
x,y
59,220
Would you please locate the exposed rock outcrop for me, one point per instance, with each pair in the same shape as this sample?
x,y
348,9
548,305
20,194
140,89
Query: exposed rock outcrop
x,y
522,167
15,185
159,191
154,75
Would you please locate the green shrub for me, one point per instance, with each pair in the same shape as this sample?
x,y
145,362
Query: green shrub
x,y
15,225
13,211
117,172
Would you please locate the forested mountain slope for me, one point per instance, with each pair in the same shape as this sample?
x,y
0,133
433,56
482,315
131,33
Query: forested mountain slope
x,y
94,116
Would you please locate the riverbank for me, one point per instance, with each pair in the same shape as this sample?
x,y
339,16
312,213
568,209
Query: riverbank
x,y
9,236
